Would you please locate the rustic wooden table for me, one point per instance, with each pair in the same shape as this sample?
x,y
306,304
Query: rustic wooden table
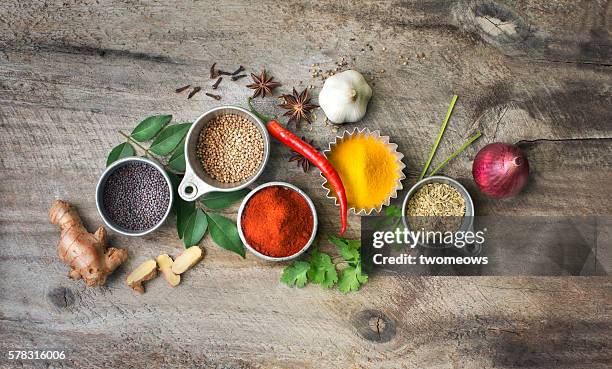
x,y
74,73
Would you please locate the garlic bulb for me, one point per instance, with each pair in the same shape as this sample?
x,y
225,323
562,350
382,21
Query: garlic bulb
x,y
344,97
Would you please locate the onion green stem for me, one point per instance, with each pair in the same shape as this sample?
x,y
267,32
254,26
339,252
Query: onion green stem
x,y
452,156
435,146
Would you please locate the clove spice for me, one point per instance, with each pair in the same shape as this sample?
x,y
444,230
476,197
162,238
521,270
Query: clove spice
x,y
213,71
235,78
181,89
194,91
240,69
216,84
216,97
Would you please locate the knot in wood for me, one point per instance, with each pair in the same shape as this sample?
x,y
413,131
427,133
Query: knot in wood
x,y
61,297
374,325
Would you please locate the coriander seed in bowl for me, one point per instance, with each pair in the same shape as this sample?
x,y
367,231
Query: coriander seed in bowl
x,y
230,148
232,158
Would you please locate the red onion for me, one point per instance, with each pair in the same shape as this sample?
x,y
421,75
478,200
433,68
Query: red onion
x,y
500,170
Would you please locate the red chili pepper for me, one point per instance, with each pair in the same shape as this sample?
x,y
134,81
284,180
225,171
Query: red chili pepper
x,y
313,155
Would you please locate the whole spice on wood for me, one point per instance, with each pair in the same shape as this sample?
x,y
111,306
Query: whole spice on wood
x,y
136,196
194,91
277,221
216,84
240,69
216,97
235,78
368,168
230,148
262,84
298,106
181,89
213,71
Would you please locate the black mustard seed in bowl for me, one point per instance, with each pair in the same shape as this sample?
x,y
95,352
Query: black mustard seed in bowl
x,y
134,196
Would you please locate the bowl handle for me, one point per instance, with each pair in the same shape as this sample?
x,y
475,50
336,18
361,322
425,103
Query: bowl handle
x,y
192,187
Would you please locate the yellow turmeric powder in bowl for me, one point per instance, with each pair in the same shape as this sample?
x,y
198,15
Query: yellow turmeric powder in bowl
x,y
370,168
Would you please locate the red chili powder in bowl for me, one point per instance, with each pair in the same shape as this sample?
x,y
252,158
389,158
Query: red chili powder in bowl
x,y
277,221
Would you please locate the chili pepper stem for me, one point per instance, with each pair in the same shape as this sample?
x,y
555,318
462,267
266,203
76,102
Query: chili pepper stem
x,y
264,118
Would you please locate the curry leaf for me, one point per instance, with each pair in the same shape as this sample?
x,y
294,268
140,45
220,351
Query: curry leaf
x,y
296,274
148,128
184,209
169,138
120,151
225,234
222,200
177,160
195,228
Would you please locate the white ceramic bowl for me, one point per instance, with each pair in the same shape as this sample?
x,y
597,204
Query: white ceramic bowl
x,y
314,219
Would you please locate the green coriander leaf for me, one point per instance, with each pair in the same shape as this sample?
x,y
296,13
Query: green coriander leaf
x,y
322,270
351,279
222,200
393,211
195,228
341,241
169,138
177,160
349,249
295,274
350,254
148,128
184,209
225,233
120,151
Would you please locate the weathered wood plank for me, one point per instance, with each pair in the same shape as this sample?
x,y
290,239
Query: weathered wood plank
x,y
73,73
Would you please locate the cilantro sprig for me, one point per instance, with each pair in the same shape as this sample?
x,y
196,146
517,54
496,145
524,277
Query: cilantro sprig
x,y
320,268
295,274
351,277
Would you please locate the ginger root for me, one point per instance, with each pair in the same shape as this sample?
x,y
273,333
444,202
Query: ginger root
x,y
187,259
87,254
165,263
144,272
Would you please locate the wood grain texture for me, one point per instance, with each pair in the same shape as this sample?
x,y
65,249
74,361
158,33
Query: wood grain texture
x,y
73,73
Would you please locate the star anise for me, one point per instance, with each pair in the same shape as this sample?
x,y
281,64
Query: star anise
x,y
301,160
262,84
298,106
